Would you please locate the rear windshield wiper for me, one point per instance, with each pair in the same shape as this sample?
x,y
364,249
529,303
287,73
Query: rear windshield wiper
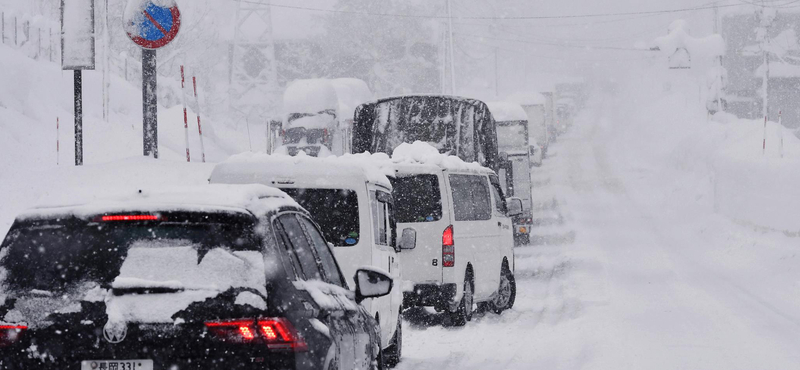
x,y
145,290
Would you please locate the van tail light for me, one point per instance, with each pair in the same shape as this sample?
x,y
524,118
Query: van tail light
x,y
276,333
448,248
10,334
113,218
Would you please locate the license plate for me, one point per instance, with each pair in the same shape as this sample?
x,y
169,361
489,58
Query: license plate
x,y
117,365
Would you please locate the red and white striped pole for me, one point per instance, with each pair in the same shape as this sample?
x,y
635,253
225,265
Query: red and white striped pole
x,y
764,143
185,116
199,127
58,141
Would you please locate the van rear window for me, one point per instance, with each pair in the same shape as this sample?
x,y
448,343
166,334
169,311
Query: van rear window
x,y
335,210
417,199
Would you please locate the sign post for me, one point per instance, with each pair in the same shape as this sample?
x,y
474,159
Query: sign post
x,y
151,26
77,54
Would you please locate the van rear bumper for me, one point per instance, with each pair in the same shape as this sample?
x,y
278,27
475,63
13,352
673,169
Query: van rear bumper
x,y
436,295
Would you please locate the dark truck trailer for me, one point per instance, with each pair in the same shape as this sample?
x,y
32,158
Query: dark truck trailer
x,y
458,126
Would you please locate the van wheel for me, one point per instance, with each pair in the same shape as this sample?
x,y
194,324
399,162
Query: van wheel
x,y
506,293
464,312
393,353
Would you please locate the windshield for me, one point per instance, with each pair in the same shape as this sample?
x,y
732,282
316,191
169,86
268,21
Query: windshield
x,y
417,199
335,210
512,135
55,257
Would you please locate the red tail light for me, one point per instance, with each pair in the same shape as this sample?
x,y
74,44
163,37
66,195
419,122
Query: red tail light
x,y
448,248
130,218
10,334
276,333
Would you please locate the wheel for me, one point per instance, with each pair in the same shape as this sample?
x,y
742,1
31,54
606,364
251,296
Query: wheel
x,y
506,292
464,312
393,353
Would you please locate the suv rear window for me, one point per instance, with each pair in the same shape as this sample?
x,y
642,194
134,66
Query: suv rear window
x,y
335,210
54,256
417,198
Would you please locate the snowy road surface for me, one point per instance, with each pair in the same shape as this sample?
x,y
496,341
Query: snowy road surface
x,y
630,271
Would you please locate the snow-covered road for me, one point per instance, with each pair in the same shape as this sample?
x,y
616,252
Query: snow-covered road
x,y
633,271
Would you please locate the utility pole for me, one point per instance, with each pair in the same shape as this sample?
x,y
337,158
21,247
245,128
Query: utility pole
x,y
496,74
719,60
452,49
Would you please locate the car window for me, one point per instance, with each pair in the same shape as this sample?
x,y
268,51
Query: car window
x,y
471,200
330,269
499,199
292,234
335,210
417,198
380,219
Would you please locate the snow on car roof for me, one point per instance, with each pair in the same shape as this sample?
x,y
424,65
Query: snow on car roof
x,y
349,169
256,199
424,154
506,111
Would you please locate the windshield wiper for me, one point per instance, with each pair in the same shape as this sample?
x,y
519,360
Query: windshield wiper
x,y
145,290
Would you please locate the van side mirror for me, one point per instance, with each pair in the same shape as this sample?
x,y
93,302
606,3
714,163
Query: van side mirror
x,y
372,283
514,207
409,239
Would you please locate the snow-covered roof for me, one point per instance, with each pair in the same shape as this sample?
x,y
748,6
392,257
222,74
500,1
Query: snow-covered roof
x,y
349,170
255,199
424,154
506,112
679,38
309,96
527,98
350,92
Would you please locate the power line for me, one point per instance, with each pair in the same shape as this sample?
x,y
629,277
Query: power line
x,y
396,15
573,46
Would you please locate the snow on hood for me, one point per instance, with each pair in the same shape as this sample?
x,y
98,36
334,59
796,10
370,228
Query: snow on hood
x,y
257,199
149,266
309,96
423,153
507,112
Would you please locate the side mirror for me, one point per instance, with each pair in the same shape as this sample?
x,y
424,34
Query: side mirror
x,y
372,283
514,207
409,239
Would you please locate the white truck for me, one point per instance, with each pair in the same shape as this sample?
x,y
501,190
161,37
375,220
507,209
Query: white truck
x,y
535,106
318,117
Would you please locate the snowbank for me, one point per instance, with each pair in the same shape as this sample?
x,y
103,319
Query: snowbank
x,y
506,112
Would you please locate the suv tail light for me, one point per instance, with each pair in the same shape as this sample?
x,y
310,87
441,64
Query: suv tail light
x,y
448,248
10,334
276,333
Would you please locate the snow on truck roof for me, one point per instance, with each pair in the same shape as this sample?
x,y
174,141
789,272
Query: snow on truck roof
x,y
507,112
255,199
316,95
423,154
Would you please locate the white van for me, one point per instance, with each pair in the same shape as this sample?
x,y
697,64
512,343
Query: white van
x,y
464,250
352,203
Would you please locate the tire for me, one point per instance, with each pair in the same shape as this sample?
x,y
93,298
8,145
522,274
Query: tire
x,y
393,353
506,292
464,312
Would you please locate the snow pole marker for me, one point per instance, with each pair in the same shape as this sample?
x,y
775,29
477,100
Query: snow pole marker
x,y
58,141
199,127
185,116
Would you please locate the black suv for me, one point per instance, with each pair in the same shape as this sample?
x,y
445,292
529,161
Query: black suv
x,y
225,277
